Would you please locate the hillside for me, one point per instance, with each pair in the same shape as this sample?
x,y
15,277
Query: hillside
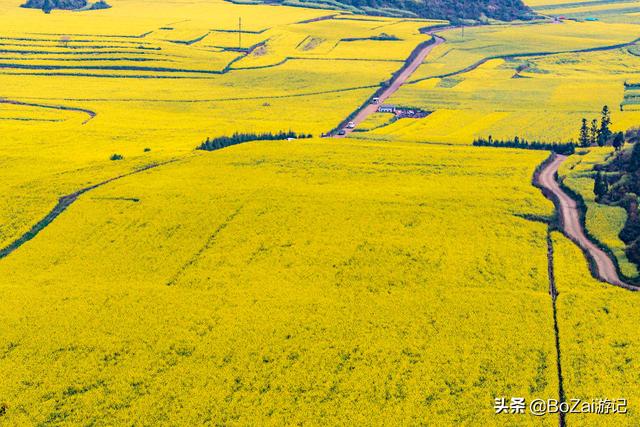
x,y
452,10
49,5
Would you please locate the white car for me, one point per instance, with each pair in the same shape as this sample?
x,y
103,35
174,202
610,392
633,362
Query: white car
x,y
351,125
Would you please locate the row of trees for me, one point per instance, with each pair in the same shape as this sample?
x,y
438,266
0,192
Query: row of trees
x,y
451,10
239,138
517,142
599,132
617,183
48,5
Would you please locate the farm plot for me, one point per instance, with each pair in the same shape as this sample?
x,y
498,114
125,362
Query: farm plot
x,y
537,97
326,238
604,10
599,338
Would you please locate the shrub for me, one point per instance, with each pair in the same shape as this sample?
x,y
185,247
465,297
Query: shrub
x,y
116,157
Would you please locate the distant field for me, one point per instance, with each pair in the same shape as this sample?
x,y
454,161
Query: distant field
x,y
533,96
623,11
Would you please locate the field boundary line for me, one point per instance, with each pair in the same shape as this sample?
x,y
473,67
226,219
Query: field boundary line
x,y
553,292
90,113
483,61
64,203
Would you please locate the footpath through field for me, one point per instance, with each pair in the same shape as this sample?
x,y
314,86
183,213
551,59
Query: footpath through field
x,y
570,220
399,79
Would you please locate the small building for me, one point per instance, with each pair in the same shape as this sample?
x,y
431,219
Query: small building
x,y
387,109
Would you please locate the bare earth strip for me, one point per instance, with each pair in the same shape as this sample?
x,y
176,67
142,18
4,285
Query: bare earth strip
x,y
572,226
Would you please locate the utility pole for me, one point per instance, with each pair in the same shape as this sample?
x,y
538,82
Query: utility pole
x,y
240,33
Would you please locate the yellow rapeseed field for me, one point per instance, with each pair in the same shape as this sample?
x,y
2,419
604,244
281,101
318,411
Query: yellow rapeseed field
x,y
599,338
285,282
536,97
369,280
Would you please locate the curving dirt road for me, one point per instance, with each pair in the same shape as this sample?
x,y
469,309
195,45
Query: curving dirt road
x,y
397,80
570,222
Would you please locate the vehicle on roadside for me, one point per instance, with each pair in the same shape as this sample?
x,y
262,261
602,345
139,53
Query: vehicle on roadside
x,y
342,132
375,100
351,125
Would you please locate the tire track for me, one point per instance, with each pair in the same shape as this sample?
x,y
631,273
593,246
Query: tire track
x,y
207,245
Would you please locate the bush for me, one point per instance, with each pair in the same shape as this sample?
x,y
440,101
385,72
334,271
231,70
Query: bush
x,y
116,157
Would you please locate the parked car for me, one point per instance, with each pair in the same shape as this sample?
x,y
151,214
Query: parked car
x,y
342,132
351,125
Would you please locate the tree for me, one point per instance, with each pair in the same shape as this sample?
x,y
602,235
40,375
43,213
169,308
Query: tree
x,y
48,6
594,135
618,141
633,134
584,134
600,186
634,161
605,123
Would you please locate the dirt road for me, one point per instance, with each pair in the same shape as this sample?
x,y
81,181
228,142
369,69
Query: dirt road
x,y
570,220
397,81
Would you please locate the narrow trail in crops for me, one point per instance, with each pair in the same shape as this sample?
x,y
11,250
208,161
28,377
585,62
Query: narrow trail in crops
x,y
570,222
553,292
414,61
89,113
63,204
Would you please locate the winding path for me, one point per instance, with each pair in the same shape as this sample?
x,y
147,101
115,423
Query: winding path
x,y
572,226
63,204
89,113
